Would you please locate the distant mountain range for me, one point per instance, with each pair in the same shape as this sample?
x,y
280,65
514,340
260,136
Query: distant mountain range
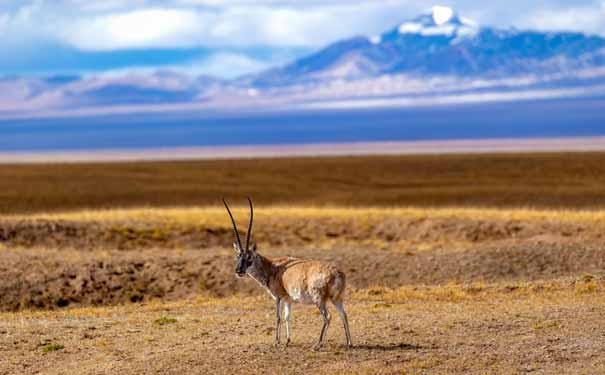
x,y
437,57
441,43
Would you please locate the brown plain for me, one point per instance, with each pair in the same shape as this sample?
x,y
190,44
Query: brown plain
x,y
573,180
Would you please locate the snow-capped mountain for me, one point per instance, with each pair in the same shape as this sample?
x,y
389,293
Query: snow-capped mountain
x,y
442,43
436,57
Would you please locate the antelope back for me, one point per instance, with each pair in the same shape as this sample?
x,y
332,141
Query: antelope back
x,y
308,281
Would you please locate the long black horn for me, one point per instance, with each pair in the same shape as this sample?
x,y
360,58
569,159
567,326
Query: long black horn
x,y
249,224
235,232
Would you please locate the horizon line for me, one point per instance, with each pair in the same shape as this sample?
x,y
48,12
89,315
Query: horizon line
x,y
433,147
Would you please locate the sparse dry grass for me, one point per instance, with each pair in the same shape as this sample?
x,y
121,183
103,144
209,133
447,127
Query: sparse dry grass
x,y
112,256
52,348
331,227
438,329
215,216
562,289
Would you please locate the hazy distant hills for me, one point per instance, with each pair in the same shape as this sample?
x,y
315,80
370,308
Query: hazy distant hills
x,y
439,57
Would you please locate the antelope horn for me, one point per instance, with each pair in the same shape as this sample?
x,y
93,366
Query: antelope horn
x,y
249,224
235,232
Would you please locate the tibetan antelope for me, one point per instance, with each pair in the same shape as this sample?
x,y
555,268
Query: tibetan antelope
x,y
291,280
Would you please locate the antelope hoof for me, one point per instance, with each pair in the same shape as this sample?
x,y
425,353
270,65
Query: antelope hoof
x,y
276,344
317,347
287,343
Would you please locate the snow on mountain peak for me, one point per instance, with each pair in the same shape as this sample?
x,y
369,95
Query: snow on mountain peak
x,y
410,28
441,14
439,20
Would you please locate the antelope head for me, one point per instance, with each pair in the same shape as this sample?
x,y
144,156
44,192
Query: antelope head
x,y
245,255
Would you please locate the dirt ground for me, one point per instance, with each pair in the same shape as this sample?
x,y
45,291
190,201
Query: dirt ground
x,y
552,328
429,291
36,279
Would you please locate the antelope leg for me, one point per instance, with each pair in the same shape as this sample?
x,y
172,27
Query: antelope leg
x,y
343,316
287,310
278,316
324,329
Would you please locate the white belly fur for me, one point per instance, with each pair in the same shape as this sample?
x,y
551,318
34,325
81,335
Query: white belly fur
x,y
301,296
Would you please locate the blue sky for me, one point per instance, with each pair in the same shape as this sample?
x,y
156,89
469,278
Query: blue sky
x,y
231,37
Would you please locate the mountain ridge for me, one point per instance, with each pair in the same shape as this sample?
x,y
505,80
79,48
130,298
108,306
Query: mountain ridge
x,y
434,44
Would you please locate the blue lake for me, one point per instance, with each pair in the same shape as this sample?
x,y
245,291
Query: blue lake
x,y
539,119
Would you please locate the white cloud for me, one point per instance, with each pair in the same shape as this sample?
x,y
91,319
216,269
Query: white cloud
x,y
220,64
239,25
91,25
243,25
136,29
584,19
228,65
95,25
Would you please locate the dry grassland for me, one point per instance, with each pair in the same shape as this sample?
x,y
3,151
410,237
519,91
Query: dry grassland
x,y
556,180
450,290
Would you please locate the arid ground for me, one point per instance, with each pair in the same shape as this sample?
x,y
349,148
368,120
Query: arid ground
x,y
459,287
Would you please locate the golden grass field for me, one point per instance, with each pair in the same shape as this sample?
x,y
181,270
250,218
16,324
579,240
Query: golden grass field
x,y
549,180
444,288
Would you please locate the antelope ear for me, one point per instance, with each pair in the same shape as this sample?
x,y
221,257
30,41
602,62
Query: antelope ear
x,y
236,248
